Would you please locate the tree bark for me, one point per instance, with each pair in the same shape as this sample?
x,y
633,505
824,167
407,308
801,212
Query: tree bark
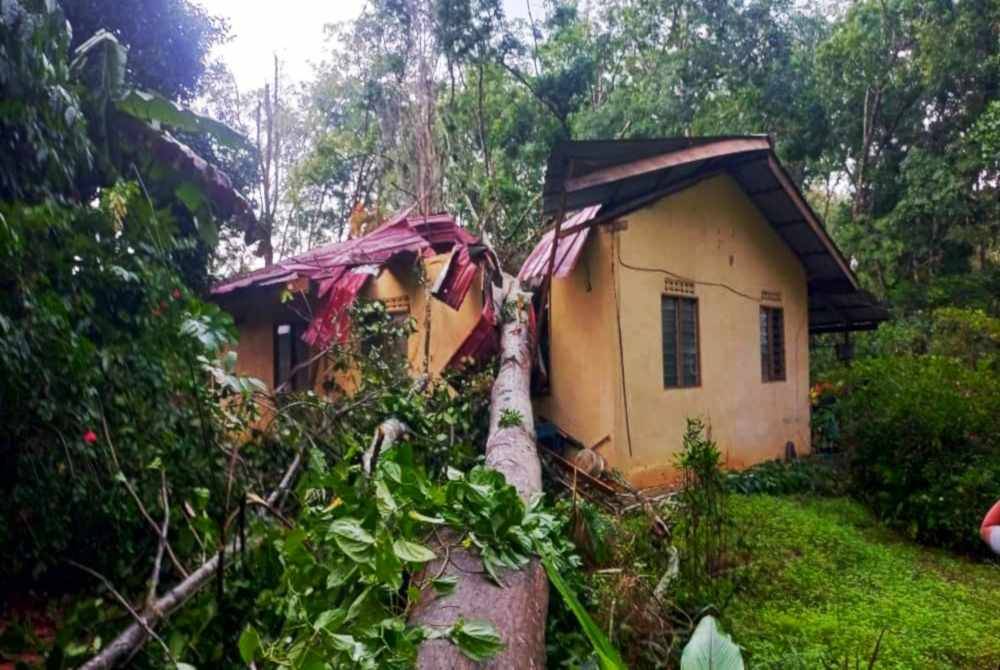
x,y
518,609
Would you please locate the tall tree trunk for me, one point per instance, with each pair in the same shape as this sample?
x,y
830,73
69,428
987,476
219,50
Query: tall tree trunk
x,y
518,609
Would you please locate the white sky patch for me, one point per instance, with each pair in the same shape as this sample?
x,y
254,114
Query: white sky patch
x,y
292,29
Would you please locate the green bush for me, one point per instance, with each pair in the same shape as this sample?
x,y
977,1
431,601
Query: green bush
x,y
923,436
109,368
814,475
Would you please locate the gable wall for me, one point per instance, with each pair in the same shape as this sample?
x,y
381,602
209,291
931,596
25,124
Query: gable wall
x,y
584,349
710,233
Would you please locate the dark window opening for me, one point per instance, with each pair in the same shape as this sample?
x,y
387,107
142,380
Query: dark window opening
x,y
681,364
290,356
772,344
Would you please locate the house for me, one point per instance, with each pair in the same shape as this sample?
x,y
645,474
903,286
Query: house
x,y
425,267
688,276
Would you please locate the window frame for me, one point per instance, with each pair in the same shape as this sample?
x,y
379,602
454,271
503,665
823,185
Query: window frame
x,y
298,354
766,318
678,344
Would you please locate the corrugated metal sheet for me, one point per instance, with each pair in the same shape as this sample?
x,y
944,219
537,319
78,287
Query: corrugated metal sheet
x,y
332,323
341,269
455,278
395,236
536,265
482,343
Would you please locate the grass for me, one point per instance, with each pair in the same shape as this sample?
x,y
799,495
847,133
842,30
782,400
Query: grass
x,y
828,578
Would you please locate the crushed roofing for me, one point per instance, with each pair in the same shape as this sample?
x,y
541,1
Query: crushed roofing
x,y
402,233
342,269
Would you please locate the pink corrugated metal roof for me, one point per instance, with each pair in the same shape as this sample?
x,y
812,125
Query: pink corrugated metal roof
x,y
455,279
536,266
401,233
341,269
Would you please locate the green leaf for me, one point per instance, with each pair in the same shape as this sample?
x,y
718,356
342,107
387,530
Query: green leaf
x,y
412,551
445,585
249,644
392,471
355,607
711,649
100,63
417,516
192,195
607,655
384,500
328,618
352,539
347,643
479,640
153,107
388,568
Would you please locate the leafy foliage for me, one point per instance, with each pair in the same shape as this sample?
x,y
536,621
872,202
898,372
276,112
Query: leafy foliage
x,y
353,561
113,370
96,339
706,535
44,144
814,475
921,433
169,41
607,655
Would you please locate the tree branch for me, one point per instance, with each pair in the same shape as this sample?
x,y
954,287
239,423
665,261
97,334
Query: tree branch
x,y
132,638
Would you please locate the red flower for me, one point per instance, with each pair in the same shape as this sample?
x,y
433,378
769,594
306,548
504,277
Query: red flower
x,y
90,437
176,293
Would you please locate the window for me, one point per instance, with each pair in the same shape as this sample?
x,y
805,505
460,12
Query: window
x,y
772,344
290,352
681,365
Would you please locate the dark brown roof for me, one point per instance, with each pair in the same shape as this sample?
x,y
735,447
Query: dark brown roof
x,y
623,175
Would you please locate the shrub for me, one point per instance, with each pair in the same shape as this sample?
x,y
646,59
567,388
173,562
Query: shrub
x,y
705,535
814,475
923,435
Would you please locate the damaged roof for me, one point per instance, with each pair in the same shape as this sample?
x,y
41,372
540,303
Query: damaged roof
x,y
342,269
620,176
403,232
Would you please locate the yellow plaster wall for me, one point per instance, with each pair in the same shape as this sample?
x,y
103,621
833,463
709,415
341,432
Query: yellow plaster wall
x,y
583,354
255,352
448,327
708,233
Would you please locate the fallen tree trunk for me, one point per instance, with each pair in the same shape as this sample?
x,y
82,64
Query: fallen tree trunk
x,y
518,609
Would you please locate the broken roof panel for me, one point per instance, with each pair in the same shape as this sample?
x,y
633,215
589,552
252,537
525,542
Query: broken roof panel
x,y
341,269
455,278
401,233
536,265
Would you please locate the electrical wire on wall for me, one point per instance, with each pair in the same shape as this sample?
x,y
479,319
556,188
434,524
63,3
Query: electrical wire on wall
x,y
687,279
621,346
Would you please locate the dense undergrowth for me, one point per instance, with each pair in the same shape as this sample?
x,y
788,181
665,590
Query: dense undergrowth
x,y
110,365
917,420
647,589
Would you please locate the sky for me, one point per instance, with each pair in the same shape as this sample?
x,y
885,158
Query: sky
x,y
292,29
